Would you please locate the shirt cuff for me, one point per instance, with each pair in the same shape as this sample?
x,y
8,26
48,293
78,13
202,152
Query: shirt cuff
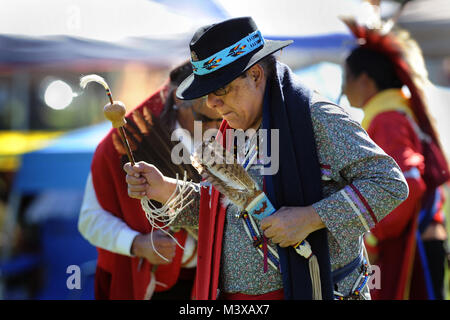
x,y
125,240
343,217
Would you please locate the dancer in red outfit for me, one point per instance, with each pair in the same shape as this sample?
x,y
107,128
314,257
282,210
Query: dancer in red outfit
x,y
125,254
376,71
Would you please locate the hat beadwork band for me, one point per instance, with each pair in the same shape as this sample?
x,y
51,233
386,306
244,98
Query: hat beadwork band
x,y
228,55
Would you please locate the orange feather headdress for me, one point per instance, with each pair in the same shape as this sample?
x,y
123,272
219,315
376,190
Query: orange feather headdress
x,y
406,57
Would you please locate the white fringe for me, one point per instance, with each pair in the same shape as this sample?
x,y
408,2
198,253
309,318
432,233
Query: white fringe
x,y
314,272
162,218
304,249
152,286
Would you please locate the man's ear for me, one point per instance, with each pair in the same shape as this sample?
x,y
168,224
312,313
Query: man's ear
x,y
256,73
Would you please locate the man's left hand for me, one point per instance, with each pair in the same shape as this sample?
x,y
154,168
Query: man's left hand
x,y
291,225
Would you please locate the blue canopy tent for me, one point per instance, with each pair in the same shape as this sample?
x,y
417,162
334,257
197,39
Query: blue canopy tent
x,y
63,164
59,172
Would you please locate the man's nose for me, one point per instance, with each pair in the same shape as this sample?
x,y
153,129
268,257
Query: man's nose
x,y
213,101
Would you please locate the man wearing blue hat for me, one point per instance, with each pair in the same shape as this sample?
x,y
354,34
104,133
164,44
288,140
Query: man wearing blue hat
x,y
333,182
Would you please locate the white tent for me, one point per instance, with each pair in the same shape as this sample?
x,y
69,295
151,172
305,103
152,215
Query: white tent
x,y
101,20
314,26
428,21
159,30
61,31
318,32
39,32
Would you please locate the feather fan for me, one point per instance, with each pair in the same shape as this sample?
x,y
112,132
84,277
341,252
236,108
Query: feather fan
x,y
219,167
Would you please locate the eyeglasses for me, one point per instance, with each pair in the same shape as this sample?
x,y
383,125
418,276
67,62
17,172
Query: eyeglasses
x,y
226,89
222,91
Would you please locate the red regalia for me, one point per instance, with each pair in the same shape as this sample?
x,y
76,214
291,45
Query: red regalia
x,y
392,130
119,276
397,124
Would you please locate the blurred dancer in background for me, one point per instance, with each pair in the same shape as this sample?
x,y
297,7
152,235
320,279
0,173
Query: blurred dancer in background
x,y
117,225
409,244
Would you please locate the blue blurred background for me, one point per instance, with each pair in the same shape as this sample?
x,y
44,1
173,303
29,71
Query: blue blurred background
x,y
49,129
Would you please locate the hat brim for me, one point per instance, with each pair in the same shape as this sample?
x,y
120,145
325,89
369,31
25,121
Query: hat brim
x,y
195,86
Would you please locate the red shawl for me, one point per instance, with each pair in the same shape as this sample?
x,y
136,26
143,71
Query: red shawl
x,y
209,249
119,274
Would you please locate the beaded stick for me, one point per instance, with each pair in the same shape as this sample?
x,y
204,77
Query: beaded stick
x,y
113,111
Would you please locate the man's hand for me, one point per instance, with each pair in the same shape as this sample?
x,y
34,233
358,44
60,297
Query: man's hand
x,y
144,179
142,247
291,225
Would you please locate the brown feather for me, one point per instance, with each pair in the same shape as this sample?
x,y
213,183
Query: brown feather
x,y
140,122
219,167
148,117
154,146
118,144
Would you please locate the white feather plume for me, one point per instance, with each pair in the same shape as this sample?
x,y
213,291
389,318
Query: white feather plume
x,y
93,78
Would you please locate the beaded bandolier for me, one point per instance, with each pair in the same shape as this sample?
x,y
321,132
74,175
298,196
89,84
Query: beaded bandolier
x,y
250,158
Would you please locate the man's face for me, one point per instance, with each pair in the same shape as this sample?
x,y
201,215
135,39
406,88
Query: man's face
x,y
240,102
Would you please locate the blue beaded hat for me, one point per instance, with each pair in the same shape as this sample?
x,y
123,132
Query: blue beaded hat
x,y
223,51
